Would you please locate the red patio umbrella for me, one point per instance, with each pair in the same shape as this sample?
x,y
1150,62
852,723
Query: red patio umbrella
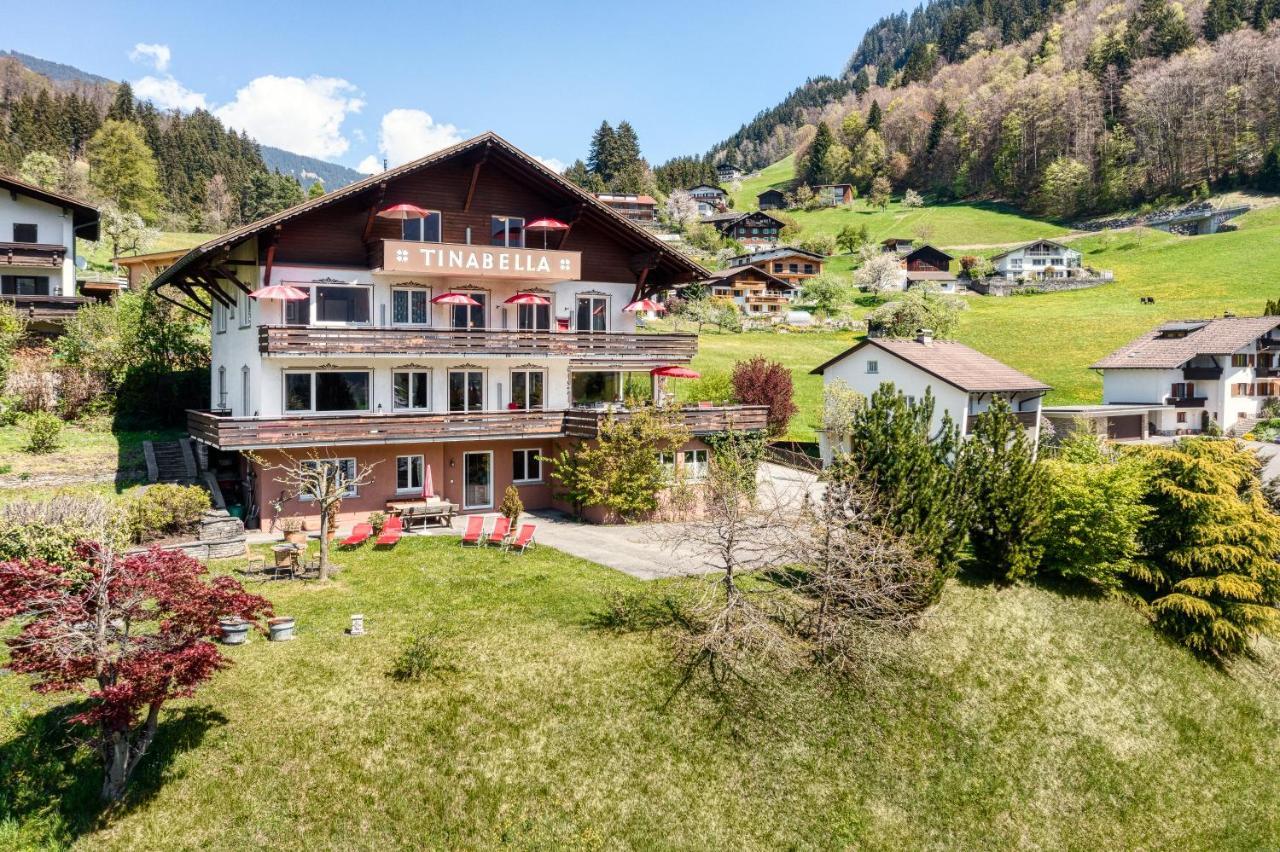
x,y
455,299
280,292
546,224
645,305
428,488
673,372
527,299
403,211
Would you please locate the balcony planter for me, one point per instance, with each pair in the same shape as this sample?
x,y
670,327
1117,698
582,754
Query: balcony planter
x,y
234,630
281,628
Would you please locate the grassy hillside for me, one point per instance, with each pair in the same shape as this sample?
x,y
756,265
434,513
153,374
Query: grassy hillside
x,y
99,254
1022,717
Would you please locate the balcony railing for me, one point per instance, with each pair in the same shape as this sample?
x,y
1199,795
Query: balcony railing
x,y
1202,373
583,347
405,257
32,254
700,420
1186,401
219,429
46,308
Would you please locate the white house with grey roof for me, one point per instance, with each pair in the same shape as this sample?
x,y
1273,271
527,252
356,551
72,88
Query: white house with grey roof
x,y
1039,259
964,382
1183,375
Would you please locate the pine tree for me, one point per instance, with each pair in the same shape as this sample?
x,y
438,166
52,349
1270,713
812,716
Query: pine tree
x,y
316,189
1008,495
941,121
862,82
1269,177
893,451
811,170
1210,577
1222,17
1264,12
602,156
122,106
875,117
578,173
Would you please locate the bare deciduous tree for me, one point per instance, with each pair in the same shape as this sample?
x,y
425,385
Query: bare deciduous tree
x,y
321,480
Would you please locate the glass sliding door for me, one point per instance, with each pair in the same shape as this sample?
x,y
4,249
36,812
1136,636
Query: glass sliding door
x,y
593,313
466,390
477,477
469,316
526,389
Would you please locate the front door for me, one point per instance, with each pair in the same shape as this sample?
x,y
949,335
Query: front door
x,y
477,480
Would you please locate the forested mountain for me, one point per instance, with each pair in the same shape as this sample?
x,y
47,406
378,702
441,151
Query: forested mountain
x,y
1065,107
308,169
81,134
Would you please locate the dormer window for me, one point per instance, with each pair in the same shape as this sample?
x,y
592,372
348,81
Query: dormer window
x,y
424,230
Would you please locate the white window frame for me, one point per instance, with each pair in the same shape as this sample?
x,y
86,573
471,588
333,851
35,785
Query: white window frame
x,y
873,367
440,229
699,468
222,388
284,392
484,390
426,374
529,453
465,456
512,389
506,230
312,302
244,307
667,461
352,491
426,291
608,311
219,317
422,473
244,391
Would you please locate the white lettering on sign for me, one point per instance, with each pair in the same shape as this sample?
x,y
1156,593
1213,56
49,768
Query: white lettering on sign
x,y
481,261
485,259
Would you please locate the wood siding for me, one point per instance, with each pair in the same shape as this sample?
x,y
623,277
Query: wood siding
x,y
582,423
38,255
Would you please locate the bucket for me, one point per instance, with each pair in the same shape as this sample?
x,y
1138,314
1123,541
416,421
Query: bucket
x,y
281,629
234,630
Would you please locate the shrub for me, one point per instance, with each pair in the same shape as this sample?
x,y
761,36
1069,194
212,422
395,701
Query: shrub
x,y
423,655
760,382
714,386
51,529
512,506
822,243
377,520
911,198
1096,515
165,509
44,433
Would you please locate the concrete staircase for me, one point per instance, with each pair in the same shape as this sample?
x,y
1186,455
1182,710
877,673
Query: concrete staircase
x,y
170,461
1242,427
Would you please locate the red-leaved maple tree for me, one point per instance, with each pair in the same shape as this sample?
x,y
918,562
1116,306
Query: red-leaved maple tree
x,y
757,381
130,633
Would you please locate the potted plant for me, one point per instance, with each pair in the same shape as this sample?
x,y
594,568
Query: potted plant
x,y
292,528
281,628
235,630
377,520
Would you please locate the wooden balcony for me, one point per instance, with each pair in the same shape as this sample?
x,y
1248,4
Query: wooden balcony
x,y
602,349
1186,401
404,257
1205,373
585,423
217,429
32,255
1026,418
46,308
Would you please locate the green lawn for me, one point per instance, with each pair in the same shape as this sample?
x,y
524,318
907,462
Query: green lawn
x,y
93,460
1022,717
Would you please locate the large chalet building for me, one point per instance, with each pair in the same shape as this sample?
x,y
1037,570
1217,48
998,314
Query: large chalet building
x,y
794,266
448,342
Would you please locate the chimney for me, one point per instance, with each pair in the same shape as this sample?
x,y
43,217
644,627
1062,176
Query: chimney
x,y
924,336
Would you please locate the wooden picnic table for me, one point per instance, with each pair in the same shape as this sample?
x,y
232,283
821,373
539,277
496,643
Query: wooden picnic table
x,y
441,512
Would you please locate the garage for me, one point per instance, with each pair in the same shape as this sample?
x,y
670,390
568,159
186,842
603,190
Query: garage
x,y
1128,427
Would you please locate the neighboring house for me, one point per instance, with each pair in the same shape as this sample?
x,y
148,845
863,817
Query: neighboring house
x,y
140,269
963,381
371,368
1040,259
793,265
38,231
927,263
710,199
772,199
727,173
757,293
637,208
1181,376
898,245
750,229
834,194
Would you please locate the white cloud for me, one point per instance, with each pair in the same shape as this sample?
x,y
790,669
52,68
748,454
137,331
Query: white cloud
x,y
556,165
303,116
370,165
167,93
156,55
407,134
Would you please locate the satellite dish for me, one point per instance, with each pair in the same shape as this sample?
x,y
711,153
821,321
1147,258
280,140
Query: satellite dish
x,y
81,263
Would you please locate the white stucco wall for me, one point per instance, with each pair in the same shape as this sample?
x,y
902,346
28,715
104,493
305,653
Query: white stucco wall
x,y
53,227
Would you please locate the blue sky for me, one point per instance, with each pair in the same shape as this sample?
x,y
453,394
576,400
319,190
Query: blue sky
x,y
356,82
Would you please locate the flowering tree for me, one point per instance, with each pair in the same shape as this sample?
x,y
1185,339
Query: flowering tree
x,y
129,633
682,208
880,270
760,382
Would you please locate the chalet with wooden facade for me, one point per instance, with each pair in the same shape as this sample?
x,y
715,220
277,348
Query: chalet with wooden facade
x,y
728,172
930,264
792,265
38,231
772,199
750,229
637,208
141,269
834,194
901,246
757,293
414,321
710,199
